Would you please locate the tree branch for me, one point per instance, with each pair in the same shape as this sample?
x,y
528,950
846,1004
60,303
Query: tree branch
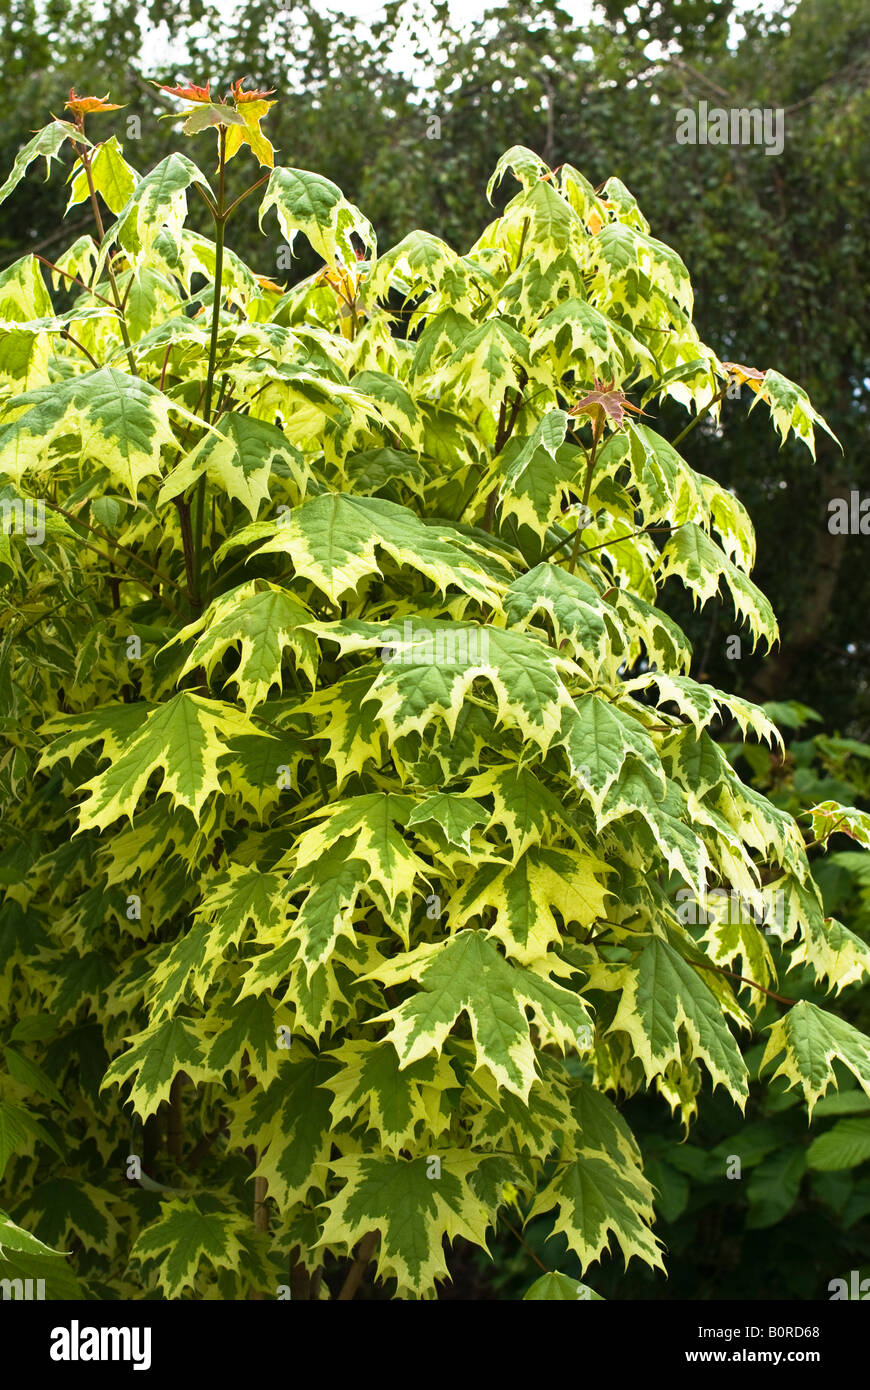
x,y
364,1252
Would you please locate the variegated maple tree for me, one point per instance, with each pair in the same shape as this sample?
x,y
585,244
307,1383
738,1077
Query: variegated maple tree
x,y
355,783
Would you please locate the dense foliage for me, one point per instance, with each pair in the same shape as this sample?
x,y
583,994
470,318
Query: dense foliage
x,y
361,816
409,116
753,1204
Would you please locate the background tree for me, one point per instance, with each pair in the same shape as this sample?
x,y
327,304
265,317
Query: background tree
x,y
779,251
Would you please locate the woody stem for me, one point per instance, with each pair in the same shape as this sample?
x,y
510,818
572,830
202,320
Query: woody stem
x,y
220,227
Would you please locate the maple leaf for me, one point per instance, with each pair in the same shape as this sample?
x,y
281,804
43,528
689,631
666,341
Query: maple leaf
x,y
187,1232
605,403
289,1124
745,375
81,106
333,541
308,203
368,824
45,144
238,456
576,336
23,1255
432,665
395,1100
662,994
351,729
332,885
604,743
189,92
158,205
536,473
522,804
526,167
115,420
596,1196
810,1039
702,565
239,95
248,1043
468,975
523,894
264,620
413,1212
68,1210
789,404
110,176
186,736
554,1287
243,901
830,817
155,1058
455,816
252,107
201,117
581,620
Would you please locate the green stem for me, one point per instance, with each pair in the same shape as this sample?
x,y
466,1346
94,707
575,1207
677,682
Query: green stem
x,y
566,540
597,432
523,234
206,199
183,509
503,433
814,844
199,498
701,413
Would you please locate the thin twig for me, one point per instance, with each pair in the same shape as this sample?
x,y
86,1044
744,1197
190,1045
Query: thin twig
x,y
721,970
525,1246
243,196
644,531
65,333
76,280
103,535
